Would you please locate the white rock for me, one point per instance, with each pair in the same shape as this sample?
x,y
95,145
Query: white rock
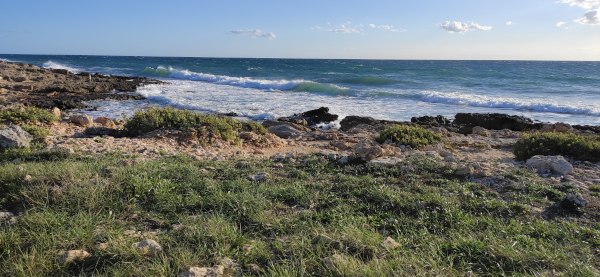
x,y
71,256
14,137
148,247
203,272
550,164
81,120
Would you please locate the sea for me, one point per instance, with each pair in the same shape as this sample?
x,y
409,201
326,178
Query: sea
x,y
259,89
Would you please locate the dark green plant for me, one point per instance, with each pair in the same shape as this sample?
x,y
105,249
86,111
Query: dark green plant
x,y
153,119
409,135
585,148
26,115
39,133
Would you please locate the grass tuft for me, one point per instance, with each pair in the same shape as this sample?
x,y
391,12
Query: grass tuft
x,y
26,115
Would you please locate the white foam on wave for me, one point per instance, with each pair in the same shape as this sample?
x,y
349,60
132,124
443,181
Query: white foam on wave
x,y
533,105
244,82
55,65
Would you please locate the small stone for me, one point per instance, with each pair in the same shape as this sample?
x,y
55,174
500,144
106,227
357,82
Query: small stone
x,y
390,244
6,216
148,247
81,120
278,165
261,176
464,170
344,160
385,161
72,256
202,272
480,131
102,246
254,269
57,112
574,201
28,178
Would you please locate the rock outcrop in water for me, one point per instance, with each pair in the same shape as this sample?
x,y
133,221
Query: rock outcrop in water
x,y
312,117
48,88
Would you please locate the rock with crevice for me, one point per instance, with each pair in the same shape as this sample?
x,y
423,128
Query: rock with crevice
x,y
14,137
550,164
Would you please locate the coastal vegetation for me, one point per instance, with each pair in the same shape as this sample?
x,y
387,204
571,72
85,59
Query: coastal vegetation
x,y
580,147
26,115
168,118
309,216
414,136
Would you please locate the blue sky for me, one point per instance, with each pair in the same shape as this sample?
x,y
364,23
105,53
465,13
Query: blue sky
x,y
384,29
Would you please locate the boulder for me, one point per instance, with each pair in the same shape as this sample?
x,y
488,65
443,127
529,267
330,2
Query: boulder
x,y
563,128
148,247
81,120
71,256
312,117
550,164
435,121
14,137
352,121
105,122
494,121
574,201
368,151
285,131
480,131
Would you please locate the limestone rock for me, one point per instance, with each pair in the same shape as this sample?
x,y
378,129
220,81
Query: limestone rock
x,y
203,272
57,112
368,151
14,137
390,244
259,177
480,131
148,247
385,161
71,256
81,120
285,131
550,164
105,122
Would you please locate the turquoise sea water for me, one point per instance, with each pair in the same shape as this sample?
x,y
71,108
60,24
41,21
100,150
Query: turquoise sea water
x,y
395,90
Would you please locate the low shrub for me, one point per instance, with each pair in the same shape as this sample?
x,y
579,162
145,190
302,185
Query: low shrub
x,y
152,119
26,115
585,148
39,133
409,135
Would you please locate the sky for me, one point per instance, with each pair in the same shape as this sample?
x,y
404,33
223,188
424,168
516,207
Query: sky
x,y
369,29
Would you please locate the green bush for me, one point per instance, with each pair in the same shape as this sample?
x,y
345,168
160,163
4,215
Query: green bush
x,y
585,148
21,115
152,119
409,135
39,133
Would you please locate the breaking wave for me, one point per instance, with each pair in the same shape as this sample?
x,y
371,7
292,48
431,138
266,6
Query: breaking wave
x,y
55,65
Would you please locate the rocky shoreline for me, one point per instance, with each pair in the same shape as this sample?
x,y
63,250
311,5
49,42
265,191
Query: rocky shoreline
x,y
475,149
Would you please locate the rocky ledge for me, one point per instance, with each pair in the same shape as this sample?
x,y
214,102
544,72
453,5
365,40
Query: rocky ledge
x,y
48,88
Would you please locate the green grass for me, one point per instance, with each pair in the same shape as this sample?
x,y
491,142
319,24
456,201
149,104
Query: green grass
x,y
184,120
26,115
585,148
311,218
414,136
39,133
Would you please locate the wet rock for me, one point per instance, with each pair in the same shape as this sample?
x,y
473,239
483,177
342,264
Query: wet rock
x,y
435,121
14,137
550,164
285,131
148,247
72,256
352,121
493,121
81,120
312,117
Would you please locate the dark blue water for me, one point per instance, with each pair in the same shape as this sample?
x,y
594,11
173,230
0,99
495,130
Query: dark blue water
x,y
397,90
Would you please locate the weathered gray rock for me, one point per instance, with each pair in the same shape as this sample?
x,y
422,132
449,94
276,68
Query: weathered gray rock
x,y
14,137
148,247
259,177
71,256
285,131
550,164
574,201
480,131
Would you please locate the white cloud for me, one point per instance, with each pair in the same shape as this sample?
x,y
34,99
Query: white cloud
x,y
390,28
345,28
509,23
562,25
254,33
461,27
586,4
590,18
